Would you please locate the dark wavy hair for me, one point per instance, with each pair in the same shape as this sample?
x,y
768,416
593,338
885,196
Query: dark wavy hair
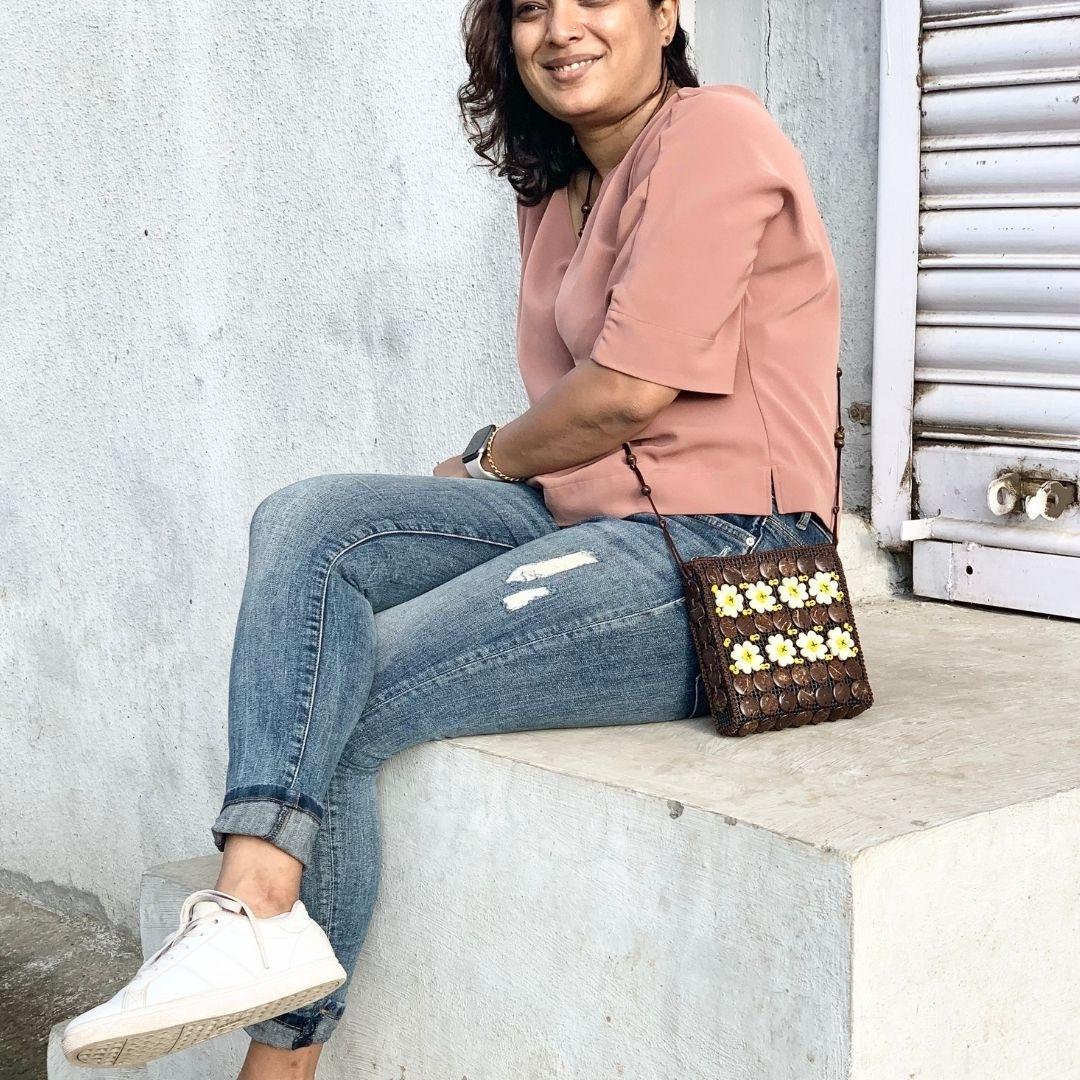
x,y
519,139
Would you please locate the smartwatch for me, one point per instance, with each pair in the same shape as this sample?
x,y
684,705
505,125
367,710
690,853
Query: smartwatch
x,y
471,456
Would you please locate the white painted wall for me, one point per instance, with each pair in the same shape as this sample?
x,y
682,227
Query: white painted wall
x,y
243,244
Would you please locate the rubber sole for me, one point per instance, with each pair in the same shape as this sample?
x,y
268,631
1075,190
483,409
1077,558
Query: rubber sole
x,y
140,1047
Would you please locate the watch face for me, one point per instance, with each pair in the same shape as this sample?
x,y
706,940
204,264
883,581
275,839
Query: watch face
x,y
476,443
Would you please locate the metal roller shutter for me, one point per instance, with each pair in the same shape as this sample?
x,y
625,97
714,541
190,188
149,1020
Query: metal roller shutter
x,y
976,411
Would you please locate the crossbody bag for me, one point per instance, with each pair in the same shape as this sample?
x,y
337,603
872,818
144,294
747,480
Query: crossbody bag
x,y
774,633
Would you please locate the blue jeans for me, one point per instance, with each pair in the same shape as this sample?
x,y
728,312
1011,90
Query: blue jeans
x,y
382,611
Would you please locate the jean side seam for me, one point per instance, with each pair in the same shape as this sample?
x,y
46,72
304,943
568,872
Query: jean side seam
x,y
759,532
330,849
322,615
300,1028
279,825
488,657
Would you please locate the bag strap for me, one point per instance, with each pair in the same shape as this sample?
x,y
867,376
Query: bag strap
x,y
838,439
631,460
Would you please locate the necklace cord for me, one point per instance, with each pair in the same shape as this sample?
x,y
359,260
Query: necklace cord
x,y
586,206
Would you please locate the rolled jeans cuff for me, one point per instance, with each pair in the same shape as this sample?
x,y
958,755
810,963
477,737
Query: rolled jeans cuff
x,y
291,1031
287,818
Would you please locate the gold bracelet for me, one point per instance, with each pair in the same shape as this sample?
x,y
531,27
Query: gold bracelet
x,y
491,460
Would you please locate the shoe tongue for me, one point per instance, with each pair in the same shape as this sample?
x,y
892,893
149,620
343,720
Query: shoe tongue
x,y
297,910
221,902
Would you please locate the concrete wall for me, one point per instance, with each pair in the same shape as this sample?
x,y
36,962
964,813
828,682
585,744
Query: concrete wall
x,y
243,244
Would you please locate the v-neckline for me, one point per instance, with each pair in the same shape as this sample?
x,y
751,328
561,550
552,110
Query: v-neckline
x,y
603,183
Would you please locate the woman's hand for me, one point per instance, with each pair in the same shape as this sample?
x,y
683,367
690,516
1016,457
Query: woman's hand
x,y
452,466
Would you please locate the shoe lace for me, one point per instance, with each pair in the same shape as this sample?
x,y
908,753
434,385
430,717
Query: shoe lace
x,y
190,925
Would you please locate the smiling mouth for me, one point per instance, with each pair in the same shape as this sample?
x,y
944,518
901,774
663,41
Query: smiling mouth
x,y
577,65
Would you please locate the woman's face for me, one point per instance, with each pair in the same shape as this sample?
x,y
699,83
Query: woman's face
x,y
621,39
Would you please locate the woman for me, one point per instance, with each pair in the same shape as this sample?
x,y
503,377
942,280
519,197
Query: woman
x,y
677,292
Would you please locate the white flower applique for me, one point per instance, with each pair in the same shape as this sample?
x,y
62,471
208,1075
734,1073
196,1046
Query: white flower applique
x,y
841,643
812,645
729,601
793,592
825,587
780,650
746,657
759,596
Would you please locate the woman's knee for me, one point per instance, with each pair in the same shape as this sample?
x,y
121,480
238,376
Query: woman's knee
x,y
383,732
301,512
366,749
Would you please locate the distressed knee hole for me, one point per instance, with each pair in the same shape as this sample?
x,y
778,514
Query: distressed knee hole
x,y
546,567
542,569
522,597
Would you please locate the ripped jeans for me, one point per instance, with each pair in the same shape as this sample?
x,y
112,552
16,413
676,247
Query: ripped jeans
x,y
382,611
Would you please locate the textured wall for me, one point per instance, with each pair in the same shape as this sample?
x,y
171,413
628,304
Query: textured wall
x,y
815,65
243,244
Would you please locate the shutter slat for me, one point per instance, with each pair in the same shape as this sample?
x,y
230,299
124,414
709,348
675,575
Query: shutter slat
x,y
1039,51
941,13
1046,298
1022,176
1000,116
1017,416
998,356
1023,236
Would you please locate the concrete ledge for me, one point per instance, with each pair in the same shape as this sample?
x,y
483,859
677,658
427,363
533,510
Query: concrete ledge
x,y
873,574
884,897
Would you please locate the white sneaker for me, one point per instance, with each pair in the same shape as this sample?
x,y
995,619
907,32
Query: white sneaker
x,y
220,969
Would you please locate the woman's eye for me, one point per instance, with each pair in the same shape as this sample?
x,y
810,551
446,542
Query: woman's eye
x,y
528,9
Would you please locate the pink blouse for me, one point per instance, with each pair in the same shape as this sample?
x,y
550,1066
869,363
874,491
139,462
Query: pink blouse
x,y
704,266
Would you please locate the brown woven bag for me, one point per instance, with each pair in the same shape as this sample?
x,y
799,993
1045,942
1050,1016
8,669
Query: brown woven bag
x,y
774,633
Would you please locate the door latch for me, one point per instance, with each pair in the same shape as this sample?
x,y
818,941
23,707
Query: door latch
x,y
1041,497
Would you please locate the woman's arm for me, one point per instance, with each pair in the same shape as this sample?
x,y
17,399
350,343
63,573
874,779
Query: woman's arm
x,y
586,414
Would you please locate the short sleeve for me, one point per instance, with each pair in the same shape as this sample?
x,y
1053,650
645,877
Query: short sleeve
x,y
687,251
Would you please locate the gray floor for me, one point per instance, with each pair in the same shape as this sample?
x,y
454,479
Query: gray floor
x,y
51,968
